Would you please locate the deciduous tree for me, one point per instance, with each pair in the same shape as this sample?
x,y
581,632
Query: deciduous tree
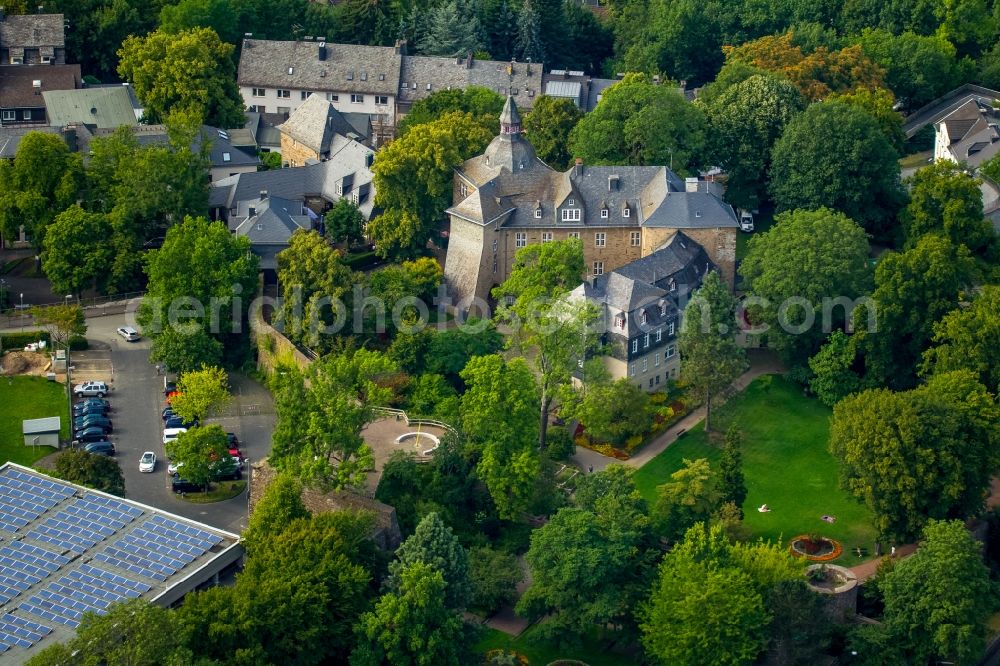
x,y
202,451
192,71
494,576
548,125
344,223
413,180
691,496
815,164
91,470
201,391
280,505
968,338
945,199
77,254
711,357
611,411
834,368
804,265
62,322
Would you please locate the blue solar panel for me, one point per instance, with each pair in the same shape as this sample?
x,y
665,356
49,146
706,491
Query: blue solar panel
x,y
39,555
115,578
46,610
117,506
181,532
23,633
58,489
135,565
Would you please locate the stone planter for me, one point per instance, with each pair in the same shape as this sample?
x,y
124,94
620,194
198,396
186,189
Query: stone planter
x,y
839,587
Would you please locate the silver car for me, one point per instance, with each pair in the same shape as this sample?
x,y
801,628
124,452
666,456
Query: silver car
x,y
147,463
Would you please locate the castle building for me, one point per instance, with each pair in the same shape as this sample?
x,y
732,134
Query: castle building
x,y
507,198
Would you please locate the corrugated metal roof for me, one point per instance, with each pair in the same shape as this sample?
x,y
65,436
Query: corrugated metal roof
x,y
40,426
563,89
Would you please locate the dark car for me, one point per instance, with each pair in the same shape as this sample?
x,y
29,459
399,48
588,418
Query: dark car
x,y
101,448
93,421
88,435
227,471
169,387
89,410
180,485
175,421
99,402
234,444
167,413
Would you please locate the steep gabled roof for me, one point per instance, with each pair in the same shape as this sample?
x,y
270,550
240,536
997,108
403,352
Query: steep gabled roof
x,y
315,123
297,66
32,31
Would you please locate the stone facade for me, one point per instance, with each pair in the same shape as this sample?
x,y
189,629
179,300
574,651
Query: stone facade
x,y
507,198
295,154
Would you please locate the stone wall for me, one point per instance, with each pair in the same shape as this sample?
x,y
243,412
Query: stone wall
x,y
719,244
294,153
274,349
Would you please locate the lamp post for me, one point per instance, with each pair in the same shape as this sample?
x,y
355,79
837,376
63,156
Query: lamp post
x,y
22,313
69,386
3,284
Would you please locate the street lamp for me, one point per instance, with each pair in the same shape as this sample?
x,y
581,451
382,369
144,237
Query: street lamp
x,y
69,386
3,284
22,313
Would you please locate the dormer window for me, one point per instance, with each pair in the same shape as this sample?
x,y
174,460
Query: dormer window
x,y
663,309
538,213
626,212
673,284
604,213
571,202
644,317
463,189
571,214
620,320
487,160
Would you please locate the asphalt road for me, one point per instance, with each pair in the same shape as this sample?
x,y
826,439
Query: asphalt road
x,y
137,400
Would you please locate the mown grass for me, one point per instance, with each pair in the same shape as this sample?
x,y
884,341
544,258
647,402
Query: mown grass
x,y
23,398
786,463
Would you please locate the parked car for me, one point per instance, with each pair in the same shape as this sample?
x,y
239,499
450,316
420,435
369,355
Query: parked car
x,y
173,467
167,413
169,387
234,444
175,421
98,402
179,485
99,389
228,471
746,221
89,410
147,463
93,421
129,333
101,447
172,395
90,434
170,434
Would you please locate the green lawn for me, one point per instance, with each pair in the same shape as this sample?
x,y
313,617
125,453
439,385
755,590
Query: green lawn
x,y
28,398
786,464
591,650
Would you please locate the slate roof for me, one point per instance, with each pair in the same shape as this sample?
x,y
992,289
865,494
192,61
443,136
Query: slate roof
x,y
296,65
17,88
422,76
973,132
298,183
316,122
273,222
10,138
221,147
514,184
32,31
103,108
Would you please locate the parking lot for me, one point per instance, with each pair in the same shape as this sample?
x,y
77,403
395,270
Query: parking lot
x,y
136,401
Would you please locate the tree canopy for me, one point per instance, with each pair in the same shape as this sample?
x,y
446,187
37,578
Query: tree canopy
x,y
91,470
947,200
548,125
434,544
969,338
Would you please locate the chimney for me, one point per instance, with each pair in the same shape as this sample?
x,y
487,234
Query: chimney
x,y
579,165
263,195
613,183
691,184
468,60
400,47
321,51
251,211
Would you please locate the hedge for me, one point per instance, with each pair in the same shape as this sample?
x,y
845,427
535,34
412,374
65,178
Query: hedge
x,y
12,341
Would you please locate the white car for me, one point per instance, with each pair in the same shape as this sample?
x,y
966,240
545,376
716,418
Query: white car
x,y
147,463
91,389
173,467
170,434
129,333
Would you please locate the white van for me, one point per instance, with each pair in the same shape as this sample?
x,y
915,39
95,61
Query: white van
x,y
746,221
170,434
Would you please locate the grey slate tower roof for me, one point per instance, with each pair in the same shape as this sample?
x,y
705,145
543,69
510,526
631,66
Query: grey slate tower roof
x,y
509,149
509,117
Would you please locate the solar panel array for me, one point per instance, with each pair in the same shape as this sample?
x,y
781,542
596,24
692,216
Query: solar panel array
x,y
24,497
154,548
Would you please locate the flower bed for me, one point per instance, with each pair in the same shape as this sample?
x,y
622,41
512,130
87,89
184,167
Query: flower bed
x,y
801,546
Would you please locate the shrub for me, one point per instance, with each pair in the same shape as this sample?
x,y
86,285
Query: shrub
x,y
78,343
11,341
494,576
559,443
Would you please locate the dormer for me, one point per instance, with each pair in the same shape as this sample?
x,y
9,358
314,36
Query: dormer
x,y
605,211
644,317
614,183
344,184
538,210
663,308
620,320
626,210
571,210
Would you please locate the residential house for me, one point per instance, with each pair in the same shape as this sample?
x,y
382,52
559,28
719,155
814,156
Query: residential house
x,y
583,89
264,128
32,39
98,108
315,130
277,76
269,223
507,198
10,138
969,134
22,88
641,305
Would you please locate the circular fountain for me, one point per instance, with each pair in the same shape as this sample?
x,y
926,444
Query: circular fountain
x,y
420,441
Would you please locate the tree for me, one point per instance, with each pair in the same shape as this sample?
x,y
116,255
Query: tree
x,y
880,105
938,600
190,71
746,120
494,576
296,601
968,338
452,30
201,391
692,496
434,544
43,179
483,104
412,625
548,126
433,396
711,357
182,352
589,566
945,199
611,411
413,181
913,289
499,416
278,507
94,471
528,43
62,322
200,285
225,17
818,73
557,330
131,633
814,164
802,267
316,287
317,437
345,224
77,254
639,122
682,39
924,454
918,68
202,451
799,632
732,484
708,604
833,367
968,24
